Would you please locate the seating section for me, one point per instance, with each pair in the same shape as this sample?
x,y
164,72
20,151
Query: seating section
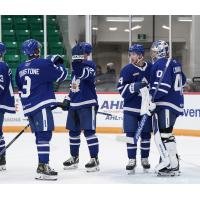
x,y
18,28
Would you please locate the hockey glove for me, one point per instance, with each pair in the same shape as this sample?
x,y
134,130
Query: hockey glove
x,y
64,105
135,87
56,59
152,107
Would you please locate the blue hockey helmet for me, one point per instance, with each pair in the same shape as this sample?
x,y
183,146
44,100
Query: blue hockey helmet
x,y
29,47
2,48
87,48
160,49
77,52
136,48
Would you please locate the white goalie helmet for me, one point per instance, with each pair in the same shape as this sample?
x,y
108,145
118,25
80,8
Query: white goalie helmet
x,y
159,49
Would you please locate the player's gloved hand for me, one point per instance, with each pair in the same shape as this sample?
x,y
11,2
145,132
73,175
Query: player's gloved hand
x,y
56,59
135,87
64,105
152,107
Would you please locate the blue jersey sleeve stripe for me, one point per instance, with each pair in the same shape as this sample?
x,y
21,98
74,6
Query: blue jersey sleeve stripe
x,y
83,74
119,88
123,91
7,108
1,87
161,90
164,84
10,72
88,73
65,76
61,75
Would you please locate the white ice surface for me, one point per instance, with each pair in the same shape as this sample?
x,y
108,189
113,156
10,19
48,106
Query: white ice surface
x,y
22,162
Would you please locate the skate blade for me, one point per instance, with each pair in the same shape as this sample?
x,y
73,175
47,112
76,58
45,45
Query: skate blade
x,y
131,172
170,174
93,169
45,177
2,167
75,166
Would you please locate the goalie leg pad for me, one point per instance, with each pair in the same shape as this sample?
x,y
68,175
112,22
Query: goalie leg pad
x,y
170,144
165,161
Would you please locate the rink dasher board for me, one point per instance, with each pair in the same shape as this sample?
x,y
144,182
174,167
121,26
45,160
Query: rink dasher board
x,y
112,103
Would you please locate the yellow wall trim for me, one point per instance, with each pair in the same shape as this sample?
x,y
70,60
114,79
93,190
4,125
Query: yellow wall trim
x,y
105,130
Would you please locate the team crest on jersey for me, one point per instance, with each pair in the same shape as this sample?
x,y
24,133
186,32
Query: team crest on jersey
x,y
144,80
75,85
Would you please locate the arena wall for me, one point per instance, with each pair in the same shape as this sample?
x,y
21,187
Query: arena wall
x,y
112,103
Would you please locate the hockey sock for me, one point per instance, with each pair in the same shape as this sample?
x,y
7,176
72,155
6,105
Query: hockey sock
x,y
131,148
92,142
43,147
145,148
2,142
74,139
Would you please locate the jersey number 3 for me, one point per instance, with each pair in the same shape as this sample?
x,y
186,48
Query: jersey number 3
x,y
26,87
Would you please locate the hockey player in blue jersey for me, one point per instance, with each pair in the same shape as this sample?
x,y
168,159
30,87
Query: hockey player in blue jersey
x,y
7,102
169,102
34,79
133,77
82,107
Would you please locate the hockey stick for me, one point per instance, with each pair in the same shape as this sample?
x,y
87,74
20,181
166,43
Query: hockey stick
x,y
13,140
107,114
145,117
19,134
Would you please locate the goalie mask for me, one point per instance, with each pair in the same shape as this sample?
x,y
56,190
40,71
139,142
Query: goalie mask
x,y
159,49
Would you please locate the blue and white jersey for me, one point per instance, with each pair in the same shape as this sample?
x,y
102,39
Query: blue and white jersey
x,y
35,79
82,87
170,92
7,101
129,75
